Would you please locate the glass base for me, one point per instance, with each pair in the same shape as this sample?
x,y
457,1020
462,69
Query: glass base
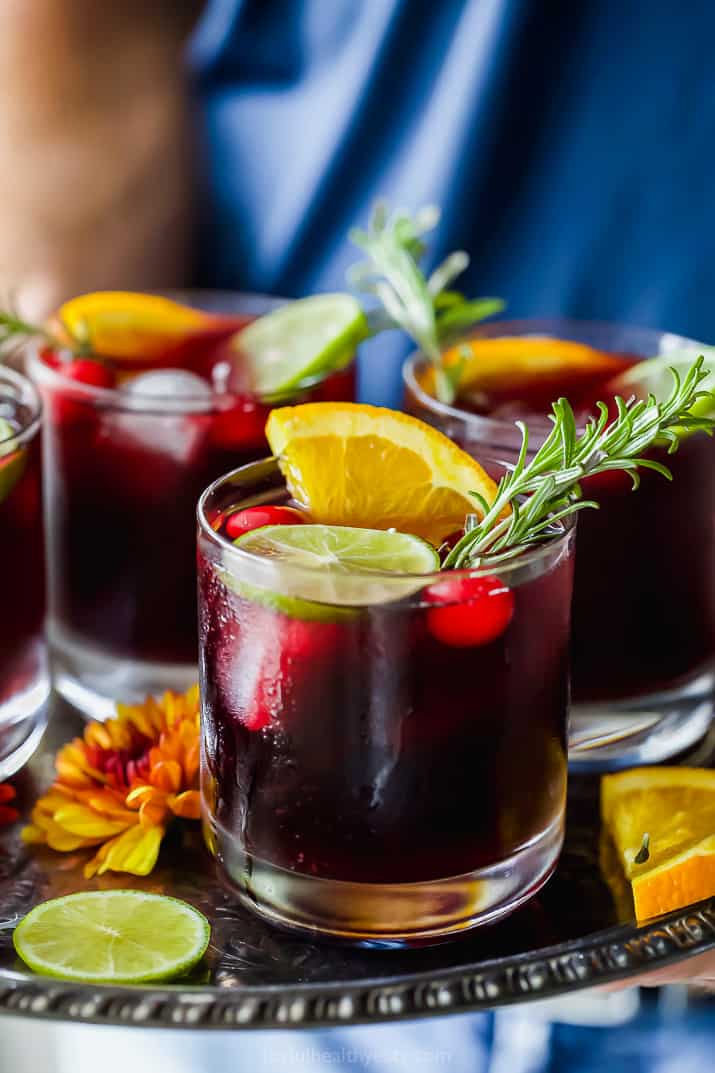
x,y
92,680
387,914
613,735
23,719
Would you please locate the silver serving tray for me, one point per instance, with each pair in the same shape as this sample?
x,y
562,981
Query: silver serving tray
x,y
573,935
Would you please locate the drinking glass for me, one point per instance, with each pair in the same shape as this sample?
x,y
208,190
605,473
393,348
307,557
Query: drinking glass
x,y
123,472
644,586
24,679
361,775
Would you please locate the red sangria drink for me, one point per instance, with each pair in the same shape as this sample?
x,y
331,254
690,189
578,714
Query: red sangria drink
x,y
147,404
24,680
383,744
644,588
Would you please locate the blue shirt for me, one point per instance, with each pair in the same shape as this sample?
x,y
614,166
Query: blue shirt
x,y
570,145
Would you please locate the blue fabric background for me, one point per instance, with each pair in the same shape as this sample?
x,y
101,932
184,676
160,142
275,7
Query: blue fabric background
x,y
570,145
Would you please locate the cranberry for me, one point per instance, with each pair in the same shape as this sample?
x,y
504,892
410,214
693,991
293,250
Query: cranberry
x,y
243,521
242,426
51,358
87,371
476,610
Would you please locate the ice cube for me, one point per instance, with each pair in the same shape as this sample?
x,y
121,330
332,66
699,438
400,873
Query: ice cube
x,y
164,415
169,390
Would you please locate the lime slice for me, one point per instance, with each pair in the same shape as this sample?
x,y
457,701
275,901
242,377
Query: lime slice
x,y
292,606
12,459
653,376
113,937
301,340
336,564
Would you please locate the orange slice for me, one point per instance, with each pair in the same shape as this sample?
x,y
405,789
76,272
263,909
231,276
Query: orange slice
x,y
357,465
675,808
128,326
511,367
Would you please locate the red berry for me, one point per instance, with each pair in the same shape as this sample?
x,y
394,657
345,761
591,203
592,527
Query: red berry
x,y
243,521
87,371
476,610
241,427
51,358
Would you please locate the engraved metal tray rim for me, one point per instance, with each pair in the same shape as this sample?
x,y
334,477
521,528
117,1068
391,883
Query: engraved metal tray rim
x,y
614,955
570,937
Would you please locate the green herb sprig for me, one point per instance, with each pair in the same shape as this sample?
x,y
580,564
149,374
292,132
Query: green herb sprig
x,y
14,329
536,495
422,306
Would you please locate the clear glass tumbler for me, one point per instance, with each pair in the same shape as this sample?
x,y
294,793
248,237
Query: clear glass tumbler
x,y
24,679
123,472
362,776
643,641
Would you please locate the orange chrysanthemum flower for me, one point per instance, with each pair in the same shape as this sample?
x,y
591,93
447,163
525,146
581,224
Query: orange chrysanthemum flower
x,y
8,814
120,785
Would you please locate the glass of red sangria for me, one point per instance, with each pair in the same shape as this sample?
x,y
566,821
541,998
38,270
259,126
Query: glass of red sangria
x,y
381,762
644,588
148,403
24,679
384,662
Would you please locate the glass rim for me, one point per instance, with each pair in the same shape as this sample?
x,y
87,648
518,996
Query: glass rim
x,y
29,396
239,556
156,404
524,326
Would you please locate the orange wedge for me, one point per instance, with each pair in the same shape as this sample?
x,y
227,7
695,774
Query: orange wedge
x,y
511,367
137,328
351,464
675,808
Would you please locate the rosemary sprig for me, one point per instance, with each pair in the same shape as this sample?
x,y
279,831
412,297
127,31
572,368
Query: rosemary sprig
x,y
534,496
422,306
14,328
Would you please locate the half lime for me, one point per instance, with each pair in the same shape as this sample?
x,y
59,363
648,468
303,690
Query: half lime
x,y
335,564
300,341
112,937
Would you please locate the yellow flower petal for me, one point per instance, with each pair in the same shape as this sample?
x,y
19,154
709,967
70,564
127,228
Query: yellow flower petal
x,y
153,813
136,797
166,775
108,803
98,734
33,835
135,851
83,821
186,805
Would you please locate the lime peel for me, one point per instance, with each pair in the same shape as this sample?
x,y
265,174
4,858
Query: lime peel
x,y
300,341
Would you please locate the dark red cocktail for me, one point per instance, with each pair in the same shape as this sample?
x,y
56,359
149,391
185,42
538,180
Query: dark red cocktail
x,y
125,462
363,773
24,683
644,586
